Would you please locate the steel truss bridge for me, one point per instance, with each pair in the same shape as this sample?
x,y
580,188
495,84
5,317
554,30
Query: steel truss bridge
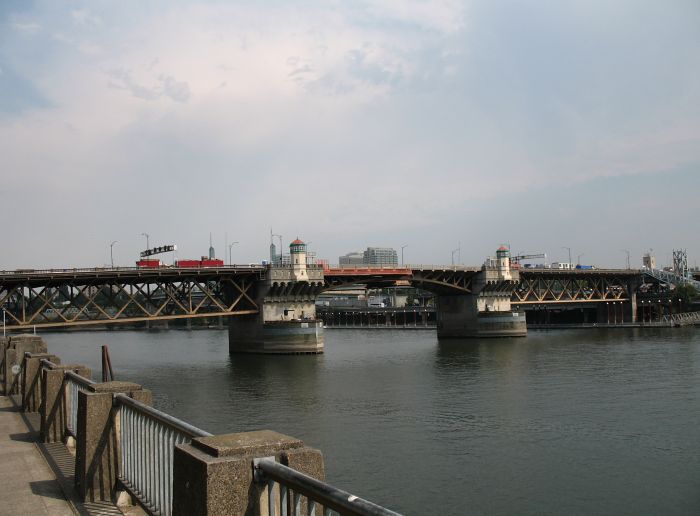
x,y
555,286
73,297
61,298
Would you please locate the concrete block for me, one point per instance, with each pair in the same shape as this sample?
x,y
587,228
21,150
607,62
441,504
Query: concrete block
x,y
214,475
98,439
14,356
31,380
53,407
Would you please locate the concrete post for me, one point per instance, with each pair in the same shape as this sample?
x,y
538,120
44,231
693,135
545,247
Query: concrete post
x,y
14,355
97,452
214,475
31,380
4,344
53,401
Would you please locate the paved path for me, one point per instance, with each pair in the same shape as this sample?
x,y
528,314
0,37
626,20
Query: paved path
x,y
27,484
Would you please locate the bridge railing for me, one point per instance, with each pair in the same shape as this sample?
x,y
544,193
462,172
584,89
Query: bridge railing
x,y
287,487
682,318
148,439
16,272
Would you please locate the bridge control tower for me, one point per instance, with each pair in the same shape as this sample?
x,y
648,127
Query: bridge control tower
x,y
286,323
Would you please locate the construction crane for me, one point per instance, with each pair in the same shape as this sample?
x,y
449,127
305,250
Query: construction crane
x,y
517,258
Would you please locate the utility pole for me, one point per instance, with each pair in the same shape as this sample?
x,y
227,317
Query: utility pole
x,y
568,249
111,253
628,256
402,248
578,259
229,252
147,241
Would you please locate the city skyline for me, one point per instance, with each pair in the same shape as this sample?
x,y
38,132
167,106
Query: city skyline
x,y
419,124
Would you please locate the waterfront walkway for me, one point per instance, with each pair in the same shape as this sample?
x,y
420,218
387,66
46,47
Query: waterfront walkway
x,y
35,478
27,483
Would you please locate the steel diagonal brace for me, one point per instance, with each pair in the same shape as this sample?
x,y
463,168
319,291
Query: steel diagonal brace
x,y
175,300
39,311
91,301
207,292
243,293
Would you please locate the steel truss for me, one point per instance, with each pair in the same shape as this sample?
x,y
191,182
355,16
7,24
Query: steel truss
x,y
84,300
447,280
569,289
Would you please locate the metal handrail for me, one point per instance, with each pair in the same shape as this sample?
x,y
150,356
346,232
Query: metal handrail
x,y
315,491
148,444
45,362
74,384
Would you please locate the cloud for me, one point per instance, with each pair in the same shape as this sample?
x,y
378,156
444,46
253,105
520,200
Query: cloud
x,y
362,116
166,86
27,28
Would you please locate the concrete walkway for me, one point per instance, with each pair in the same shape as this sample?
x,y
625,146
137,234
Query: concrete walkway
x,y
27,484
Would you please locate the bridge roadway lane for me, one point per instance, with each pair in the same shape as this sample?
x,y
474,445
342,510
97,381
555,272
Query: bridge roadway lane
x,y
27,485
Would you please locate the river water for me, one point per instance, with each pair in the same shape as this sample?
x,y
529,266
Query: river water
x,y
561,422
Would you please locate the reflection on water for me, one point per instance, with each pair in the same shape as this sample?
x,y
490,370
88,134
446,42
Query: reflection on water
x,y
577,422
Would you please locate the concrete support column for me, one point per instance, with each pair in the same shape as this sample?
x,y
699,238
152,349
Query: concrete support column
x,y
31,380
214,475
14,356
97,451
53,401
631,307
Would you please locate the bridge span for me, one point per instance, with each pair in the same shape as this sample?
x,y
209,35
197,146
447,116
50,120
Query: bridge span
x,y
271,308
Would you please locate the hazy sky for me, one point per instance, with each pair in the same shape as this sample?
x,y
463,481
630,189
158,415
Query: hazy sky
x,y
541,124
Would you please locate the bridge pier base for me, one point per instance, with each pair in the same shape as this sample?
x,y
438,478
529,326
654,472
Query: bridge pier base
x,y
459,317
250,334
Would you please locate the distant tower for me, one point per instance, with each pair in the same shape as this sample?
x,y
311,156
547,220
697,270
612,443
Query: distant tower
x,y
503,259
297,253
212,254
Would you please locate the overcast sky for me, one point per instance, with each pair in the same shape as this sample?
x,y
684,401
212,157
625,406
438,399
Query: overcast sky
x,y
541,124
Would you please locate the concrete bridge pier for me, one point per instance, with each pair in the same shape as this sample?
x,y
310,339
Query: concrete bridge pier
x,y
486,311
459,317
286,321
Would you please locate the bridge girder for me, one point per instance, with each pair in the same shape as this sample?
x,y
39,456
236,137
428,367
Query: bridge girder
x,y
80,300
574,288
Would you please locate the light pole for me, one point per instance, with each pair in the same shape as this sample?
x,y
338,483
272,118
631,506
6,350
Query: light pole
x,y
111,253
453,256
402,248
229,251
568,249
147,242
578,259
628,256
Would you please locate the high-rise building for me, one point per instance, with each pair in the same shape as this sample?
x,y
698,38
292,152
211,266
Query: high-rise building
x,y
380,256
352,259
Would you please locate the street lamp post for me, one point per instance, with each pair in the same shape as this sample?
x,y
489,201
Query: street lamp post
x,y
111,253
628,256
147,241
402,248
568,249
578,259
229,252
453,256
